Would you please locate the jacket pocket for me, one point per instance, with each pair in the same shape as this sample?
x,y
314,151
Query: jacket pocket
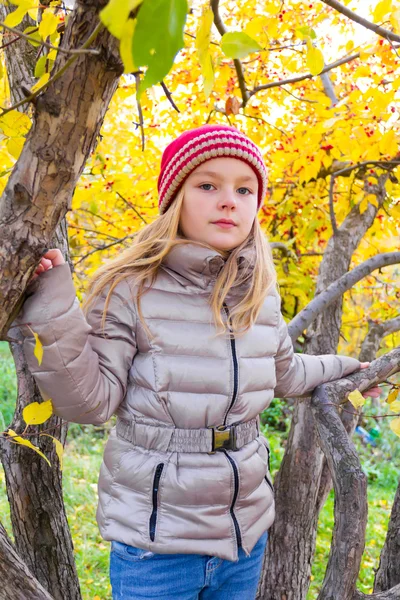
x,y
153,516
267,477
131,553
269,484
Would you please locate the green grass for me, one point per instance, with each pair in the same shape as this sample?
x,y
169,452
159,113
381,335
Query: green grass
x,y
83,454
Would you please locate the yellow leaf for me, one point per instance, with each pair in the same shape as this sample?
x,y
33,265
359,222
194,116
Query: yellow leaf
x,y
395,406
208,75
395,426
362,207
382,9
19,440
356,398
372,199
125,46
395,19
349,45
388,143
59,449
15,123
48,24
203,37
13,19
44,79
392,396
36,413
14,146
115,14
38,351
315,60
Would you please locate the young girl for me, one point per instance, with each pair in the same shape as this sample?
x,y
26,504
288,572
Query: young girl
x,y
183,339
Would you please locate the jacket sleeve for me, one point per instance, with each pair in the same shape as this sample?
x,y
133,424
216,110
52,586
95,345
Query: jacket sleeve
x,y
299,374
83,372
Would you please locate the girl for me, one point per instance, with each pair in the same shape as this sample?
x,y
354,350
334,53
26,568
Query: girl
x,y
183,339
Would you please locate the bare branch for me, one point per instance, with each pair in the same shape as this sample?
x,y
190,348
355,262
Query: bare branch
x,y
19,34
331,207
385,33
169,96
336,289
272,84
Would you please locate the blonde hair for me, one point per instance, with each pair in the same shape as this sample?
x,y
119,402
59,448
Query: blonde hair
x,y
152,243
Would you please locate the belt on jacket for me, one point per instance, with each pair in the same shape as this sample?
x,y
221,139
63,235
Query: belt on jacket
x,y
172,439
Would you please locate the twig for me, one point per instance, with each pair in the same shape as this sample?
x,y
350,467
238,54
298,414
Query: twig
x,y
47,45
169,96
272,84
140,113
385,33
331,207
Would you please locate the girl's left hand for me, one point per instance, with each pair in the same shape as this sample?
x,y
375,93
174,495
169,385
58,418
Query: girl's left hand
x,y
374,392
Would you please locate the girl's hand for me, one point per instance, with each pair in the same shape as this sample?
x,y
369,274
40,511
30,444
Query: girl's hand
x,y
374,392
52,258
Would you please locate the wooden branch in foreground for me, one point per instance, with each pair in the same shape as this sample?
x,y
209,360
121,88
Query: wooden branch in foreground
x,y
349,480
17,582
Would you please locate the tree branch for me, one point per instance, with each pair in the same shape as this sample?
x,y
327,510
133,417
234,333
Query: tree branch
x,y
303,319
17,581
385,33
349,480
19,34
272,84
331,207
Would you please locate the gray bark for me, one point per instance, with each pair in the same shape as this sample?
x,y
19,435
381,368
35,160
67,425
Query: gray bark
x,y
67,119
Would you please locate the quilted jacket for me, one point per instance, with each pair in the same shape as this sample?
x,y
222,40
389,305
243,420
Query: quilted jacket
x,y
160,500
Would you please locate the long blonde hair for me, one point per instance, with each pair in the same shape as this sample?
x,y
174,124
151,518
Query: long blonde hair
x,y
152,243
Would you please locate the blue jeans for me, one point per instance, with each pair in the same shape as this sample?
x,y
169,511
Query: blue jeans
x,y
138,574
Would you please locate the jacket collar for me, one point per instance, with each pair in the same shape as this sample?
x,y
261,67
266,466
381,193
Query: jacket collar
x,y
201,266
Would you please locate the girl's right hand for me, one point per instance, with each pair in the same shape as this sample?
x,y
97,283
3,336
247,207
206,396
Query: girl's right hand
x,y
52,258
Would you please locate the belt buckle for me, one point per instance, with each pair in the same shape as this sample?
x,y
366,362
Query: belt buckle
x,y
223,436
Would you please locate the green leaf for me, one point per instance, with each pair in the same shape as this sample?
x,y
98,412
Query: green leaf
x,y
158,37
306,32
40,67
237,44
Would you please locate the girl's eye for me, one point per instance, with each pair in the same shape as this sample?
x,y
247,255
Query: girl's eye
x,y
241,188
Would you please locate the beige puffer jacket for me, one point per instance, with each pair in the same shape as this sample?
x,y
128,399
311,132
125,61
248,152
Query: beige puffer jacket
x,y
155,494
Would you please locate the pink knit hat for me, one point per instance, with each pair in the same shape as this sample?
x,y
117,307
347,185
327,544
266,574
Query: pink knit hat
x,y
198,145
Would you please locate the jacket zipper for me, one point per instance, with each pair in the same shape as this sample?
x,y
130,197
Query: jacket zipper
x,y
153,517
232,462
235,368
236,478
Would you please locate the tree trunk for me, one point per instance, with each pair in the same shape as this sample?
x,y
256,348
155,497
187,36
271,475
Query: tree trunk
x,y
34,203
17,583
293,534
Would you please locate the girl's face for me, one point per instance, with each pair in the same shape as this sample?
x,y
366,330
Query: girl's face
x,y
220,188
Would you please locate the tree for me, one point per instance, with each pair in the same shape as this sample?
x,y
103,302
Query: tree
x,y
332,154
